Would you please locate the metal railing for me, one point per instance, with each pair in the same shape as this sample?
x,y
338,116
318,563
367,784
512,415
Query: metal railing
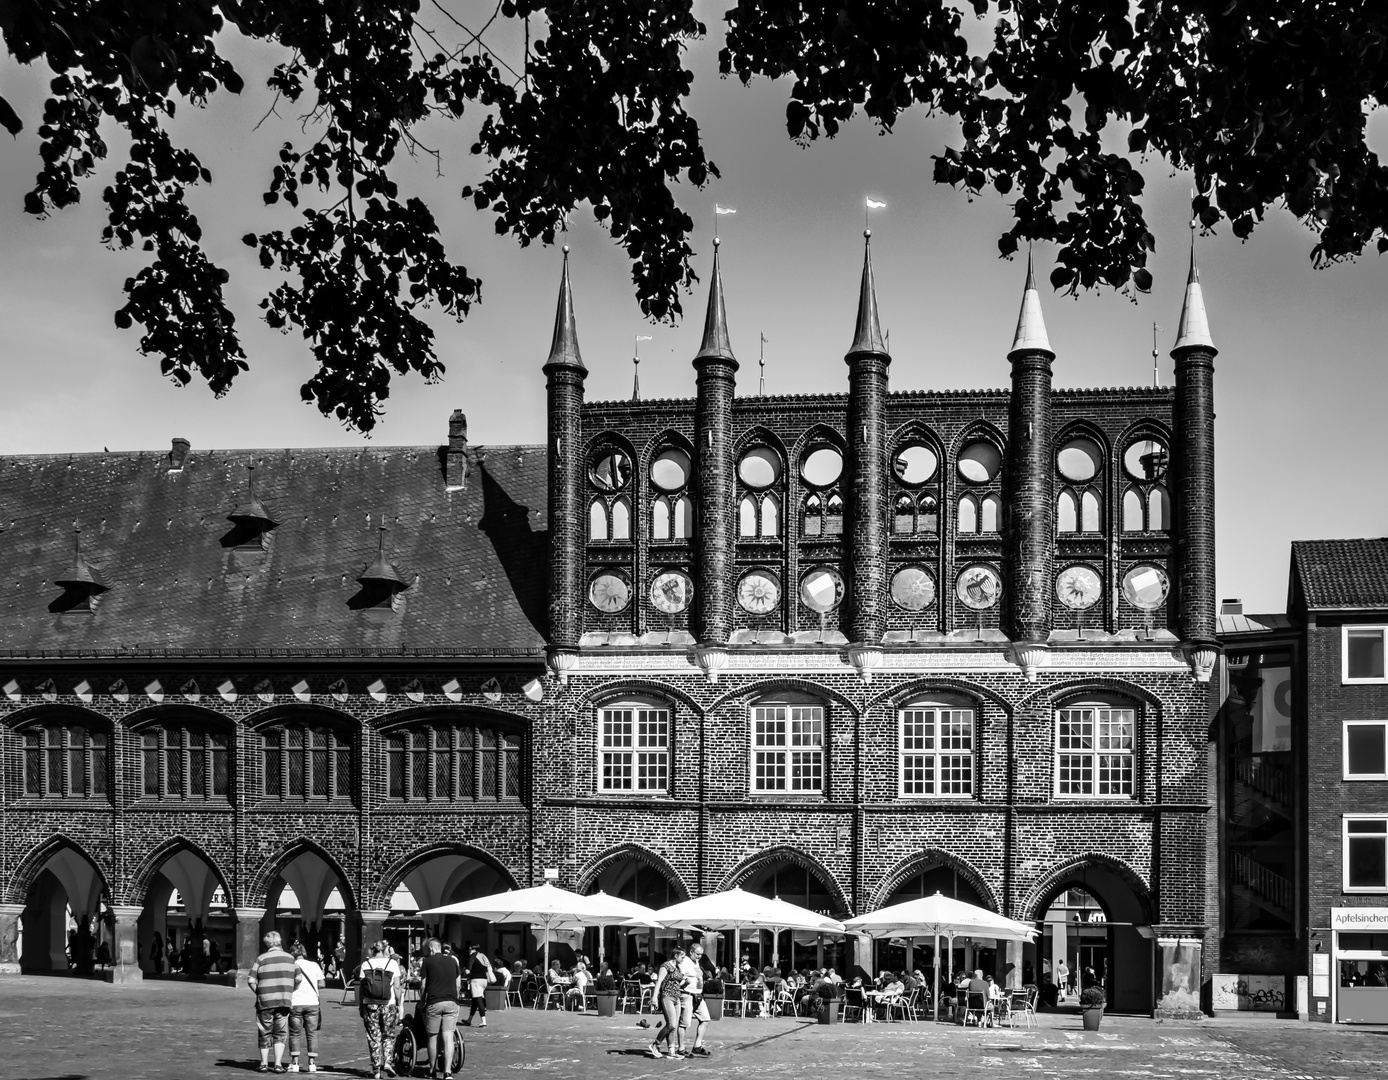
x,y
1271,886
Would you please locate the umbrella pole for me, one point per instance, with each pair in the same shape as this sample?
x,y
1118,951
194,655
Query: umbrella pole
x,y
937,975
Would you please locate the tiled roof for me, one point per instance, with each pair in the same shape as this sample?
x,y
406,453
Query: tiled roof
x,y
476,560
1342,573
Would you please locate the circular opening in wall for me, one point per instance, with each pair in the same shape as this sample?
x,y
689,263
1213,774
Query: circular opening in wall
x,y
913,588
670,470
915,464
1079,460
978,587
822,466
611,470
609,591
821,590
671,591
979,461
760,467
1145,586
1146,459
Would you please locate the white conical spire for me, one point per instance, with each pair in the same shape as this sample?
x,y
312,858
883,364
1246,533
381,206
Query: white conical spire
x,y
1031,327
1195,325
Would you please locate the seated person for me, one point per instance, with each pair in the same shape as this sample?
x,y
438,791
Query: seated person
x,y
994,990
644,975
555,975
580,981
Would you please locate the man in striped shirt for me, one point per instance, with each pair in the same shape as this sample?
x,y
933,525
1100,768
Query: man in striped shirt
x,y
273,977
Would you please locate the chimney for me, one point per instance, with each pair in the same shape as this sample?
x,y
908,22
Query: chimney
x,y
1231,605
178,454
455,464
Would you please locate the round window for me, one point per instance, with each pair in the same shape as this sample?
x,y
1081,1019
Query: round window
x,y
822,466
979,462
1146,459
915,464
1078,587
611,470
1146,586
760,467
609,591
821,590
670,471
978,587
671,591
913,588
759,591
1079,460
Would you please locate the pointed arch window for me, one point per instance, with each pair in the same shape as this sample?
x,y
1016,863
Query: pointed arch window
x,y
621,519
747,516
597,520
968,515
833,515
660,519
683,518
990,517
771,516
1132,511
1067,518
1158,509
65,761
1151,515
1090,513
904,516
814,516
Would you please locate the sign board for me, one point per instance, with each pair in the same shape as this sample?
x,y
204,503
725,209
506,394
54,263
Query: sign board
x,y
1320,964
1249,993
1359,918
551,873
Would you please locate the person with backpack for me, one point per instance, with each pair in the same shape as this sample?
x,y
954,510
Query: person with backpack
x,y
379,1000
479,975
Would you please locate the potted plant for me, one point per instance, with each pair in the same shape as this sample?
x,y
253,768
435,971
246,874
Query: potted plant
x,y
830,1002
605,994
713,997
1092,1002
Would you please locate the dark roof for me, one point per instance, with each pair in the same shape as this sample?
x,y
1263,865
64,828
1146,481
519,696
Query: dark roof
x,y
475,560
1253,624
1335,574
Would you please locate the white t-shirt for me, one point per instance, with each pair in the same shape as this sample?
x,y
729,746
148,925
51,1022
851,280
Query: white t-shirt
x,y
694,975
306,993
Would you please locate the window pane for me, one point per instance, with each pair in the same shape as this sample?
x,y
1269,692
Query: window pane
x,y
487,749
747,516
1365,748
956,774
273,767
395,766
197,772
443,782
33,766
219,766
467,763
151,762
1365,653
55,772
1368,868
342,771
917,774
296,765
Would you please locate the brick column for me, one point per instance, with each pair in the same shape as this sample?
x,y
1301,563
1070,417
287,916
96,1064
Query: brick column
x,y
9,938
567,517
1028,498
372,926
1193,493
125,950
247,944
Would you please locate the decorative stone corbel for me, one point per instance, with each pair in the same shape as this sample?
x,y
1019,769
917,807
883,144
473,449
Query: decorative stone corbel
x,y
865,660
561,662
1029,656
712,658
1201,659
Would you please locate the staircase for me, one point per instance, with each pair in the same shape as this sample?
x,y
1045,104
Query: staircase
x,y
1267,888
1271,781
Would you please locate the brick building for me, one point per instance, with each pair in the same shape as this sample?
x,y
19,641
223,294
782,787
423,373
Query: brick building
x,y
1302,746
842,648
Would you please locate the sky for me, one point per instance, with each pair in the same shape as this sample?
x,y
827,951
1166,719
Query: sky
x,y
1300,366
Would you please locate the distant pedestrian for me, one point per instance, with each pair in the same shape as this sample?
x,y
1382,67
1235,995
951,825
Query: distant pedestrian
x,y
479,976
378,1000
693,1012
156,953
669,986
305,1013
272,979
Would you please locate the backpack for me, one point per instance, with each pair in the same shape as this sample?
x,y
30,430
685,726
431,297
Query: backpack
x,y
375,984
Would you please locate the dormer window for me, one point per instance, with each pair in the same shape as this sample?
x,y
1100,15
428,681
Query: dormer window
x,y
250,521
380,582
81,583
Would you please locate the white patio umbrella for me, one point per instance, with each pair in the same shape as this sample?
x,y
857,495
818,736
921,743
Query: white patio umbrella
x,y
737,910
941,916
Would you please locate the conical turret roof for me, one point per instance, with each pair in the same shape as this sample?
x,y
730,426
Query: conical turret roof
x,y
1031,327
716,345
80,576
563,349
867,335
1194,330
382,572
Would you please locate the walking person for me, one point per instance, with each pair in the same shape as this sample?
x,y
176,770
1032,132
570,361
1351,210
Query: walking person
x,y
669,987
479,975
693,1011
378,1001
273,979
305,1012
440,978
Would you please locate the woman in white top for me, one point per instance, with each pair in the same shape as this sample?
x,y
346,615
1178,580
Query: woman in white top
x,y
305,1011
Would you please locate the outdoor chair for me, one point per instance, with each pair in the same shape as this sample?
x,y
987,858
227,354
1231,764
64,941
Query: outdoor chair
x,y
349,986
512,997
853,1004
977,1008
732,999
756,999
784,1001
903,1007
1019,1009
631,995
552,993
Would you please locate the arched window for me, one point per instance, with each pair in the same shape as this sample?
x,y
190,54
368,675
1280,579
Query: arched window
x,y
1066,513
1158,509
304,763
833,516
1095,744
904,518
65,761
747,516
634,747
814,516
968,515
660,519
928,516
1132,511
684,518
992,514
936,745
788,747
450,762
1089,513
597,520
182,762
770,516
621,519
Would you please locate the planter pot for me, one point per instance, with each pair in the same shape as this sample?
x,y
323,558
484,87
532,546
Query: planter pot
x,y
495,997
1092,1017
606,1003
715,1007
829,1012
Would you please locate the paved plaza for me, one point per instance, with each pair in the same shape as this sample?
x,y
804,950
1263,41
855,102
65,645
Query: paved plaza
x,y
63,1029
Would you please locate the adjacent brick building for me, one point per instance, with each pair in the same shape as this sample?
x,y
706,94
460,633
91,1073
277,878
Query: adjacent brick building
x,y
843,648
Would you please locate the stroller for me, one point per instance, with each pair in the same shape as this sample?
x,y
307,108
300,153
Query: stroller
x,y
412,1040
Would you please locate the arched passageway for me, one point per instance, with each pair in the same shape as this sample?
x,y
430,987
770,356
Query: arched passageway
x,y
448,877
899,955
636,880
796,884
308,901
67,924
187,926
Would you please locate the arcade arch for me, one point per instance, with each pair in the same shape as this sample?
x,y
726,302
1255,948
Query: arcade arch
x,y
930,875
797,880
187,924
445,875
67,914
642,878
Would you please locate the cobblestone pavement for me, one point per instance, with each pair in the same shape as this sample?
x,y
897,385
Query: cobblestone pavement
x,y
65,1029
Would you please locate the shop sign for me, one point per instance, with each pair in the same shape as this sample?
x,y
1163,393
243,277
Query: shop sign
x,y
1359,918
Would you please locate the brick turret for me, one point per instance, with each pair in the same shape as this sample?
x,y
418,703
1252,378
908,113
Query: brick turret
x,y
716,369
868,361
1029,529
564,372
1193,477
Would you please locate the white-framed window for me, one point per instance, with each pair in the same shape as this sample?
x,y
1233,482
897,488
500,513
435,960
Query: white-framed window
x,y
634,747
1366,750
936,744
788,748
1366,853
1094,757
1363,654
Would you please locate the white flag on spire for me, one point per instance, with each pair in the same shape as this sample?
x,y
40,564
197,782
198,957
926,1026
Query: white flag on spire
x,y
723,209
873,204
